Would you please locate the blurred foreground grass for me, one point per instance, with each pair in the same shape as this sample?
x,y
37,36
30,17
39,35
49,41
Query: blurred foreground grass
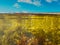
x,y
28,29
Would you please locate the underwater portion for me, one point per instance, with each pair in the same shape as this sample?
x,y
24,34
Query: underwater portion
x,y
29,29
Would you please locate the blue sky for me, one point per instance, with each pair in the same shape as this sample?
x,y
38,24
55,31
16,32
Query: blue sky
x,y
29,6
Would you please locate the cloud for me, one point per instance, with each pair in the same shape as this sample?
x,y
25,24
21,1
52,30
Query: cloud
x,y
27,1
37,3
24,11
34,2
49,1
16,5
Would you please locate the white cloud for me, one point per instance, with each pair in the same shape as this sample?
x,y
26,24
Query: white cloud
x,y
27,1
35,2
49,1
24,11
17,12
16,5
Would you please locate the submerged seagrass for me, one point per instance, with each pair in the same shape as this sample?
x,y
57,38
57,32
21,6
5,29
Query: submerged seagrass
x,y
29,29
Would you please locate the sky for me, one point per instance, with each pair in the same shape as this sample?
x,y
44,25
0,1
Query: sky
x,y
29,6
